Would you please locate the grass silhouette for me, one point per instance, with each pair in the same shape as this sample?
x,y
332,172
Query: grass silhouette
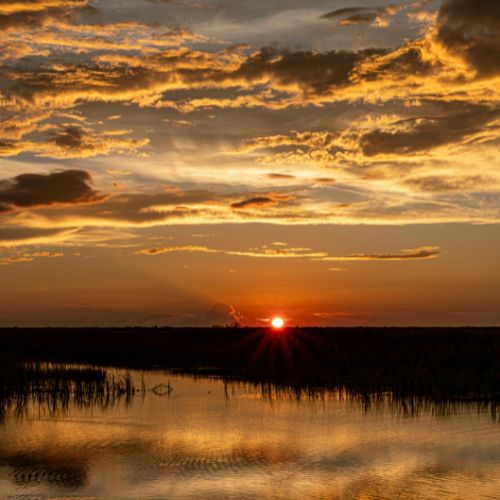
x,y
56,388
439,364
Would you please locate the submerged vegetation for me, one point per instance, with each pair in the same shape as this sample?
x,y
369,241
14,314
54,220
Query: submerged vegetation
x,y
447,365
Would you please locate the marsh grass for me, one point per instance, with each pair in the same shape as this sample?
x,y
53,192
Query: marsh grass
x,y
413,365
53,389
368,402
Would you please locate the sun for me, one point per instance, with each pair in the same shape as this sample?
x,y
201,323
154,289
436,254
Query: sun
x,y
277,323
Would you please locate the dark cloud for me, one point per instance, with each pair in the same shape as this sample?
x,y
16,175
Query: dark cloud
x,y
346,11
405,62
75,142
8,148
71,137
312,71
425,133
143,79
30,20
257,201
142,208
358,15
470,28
61,187
366,17
82,204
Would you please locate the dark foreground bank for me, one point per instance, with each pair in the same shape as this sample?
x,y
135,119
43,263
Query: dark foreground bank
x,y
435,363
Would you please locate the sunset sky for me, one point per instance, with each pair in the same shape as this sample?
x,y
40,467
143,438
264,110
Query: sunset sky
x,y
199,162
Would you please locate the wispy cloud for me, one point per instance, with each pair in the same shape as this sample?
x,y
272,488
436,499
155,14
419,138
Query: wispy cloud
x,y
348,16
273,253
26,257
427,252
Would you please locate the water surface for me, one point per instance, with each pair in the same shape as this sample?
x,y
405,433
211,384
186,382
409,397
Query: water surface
x,y
180,437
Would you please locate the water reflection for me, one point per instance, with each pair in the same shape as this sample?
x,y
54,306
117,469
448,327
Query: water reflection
x,y
408,406
157,435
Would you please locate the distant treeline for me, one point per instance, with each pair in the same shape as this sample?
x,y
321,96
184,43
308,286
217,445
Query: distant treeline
x,y
439,364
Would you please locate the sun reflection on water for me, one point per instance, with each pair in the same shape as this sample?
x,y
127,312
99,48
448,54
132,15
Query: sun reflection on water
x,y
214,438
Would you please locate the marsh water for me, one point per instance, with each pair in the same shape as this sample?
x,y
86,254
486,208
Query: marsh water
x,y
176,436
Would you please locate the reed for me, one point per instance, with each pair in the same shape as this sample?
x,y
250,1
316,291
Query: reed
x,y
54,389
440,364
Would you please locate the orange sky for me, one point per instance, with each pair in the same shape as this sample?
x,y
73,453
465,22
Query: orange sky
x,y
171,163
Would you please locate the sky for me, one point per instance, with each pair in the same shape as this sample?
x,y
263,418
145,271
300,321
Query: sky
x,y
201,162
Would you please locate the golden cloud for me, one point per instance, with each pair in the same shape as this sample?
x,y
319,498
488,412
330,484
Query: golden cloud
x,y
367,143
22,258
69,142
425,68
420,67
451,69
427,252
17,6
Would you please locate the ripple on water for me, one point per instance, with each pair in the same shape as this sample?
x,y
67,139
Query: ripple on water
x,y
65,478
183,462
249,448
26,470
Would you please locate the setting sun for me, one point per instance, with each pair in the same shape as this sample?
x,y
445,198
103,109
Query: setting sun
x,y
277,323
253,260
